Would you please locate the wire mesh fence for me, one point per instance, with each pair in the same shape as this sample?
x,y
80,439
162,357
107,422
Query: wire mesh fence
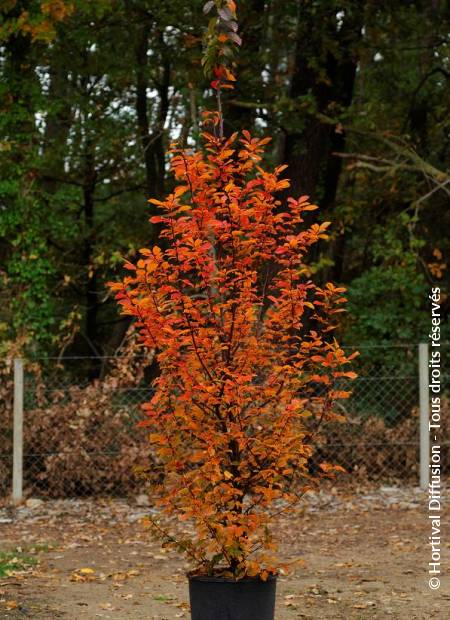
x,y
81,438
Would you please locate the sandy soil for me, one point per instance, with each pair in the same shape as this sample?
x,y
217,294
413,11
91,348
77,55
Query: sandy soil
x,y
364,555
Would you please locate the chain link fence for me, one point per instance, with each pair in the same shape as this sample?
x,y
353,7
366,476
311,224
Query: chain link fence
x,y
80,437
381,439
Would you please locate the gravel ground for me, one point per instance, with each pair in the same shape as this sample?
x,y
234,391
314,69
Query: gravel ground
x,y
364,555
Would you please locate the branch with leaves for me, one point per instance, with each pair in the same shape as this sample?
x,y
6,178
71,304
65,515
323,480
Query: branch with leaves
x,y
227,417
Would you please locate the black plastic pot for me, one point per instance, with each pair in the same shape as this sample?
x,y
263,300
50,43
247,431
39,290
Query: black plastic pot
x,y
214,598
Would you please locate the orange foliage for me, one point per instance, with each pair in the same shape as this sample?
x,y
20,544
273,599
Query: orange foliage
x,y
37,20
243,337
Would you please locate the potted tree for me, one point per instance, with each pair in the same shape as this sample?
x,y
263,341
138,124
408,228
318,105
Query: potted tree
x,y
243,338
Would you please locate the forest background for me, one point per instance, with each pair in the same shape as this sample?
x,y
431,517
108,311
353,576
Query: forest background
x,y
353,92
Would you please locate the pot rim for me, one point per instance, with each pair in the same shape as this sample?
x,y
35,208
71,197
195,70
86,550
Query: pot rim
x,y
212,579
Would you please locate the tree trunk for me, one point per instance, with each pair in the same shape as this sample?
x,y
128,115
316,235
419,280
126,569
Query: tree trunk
x,y
91,288
152,142
309,149
57,124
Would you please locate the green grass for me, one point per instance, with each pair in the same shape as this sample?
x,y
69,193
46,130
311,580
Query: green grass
x,y
11,561
163,598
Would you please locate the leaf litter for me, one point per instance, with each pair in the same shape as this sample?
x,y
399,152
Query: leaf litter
x,y
362,550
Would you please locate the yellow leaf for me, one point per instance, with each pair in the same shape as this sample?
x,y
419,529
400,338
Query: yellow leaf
x,y
12,605
86,571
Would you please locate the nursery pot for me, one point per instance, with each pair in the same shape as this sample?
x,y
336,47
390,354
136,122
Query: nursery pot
x,y
215,598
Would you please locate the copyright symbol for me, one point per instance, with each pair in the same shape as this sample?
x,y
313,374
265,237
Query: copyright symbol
x,y
434,583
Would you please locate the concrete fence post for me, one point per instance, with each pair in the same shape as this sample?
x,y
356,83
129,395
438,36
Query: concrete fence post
x,y
424,401
17,481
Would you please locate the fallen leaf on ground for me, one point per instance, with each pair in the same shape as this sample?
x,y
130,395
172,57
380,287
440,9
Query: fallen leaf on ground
x,y
11,605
